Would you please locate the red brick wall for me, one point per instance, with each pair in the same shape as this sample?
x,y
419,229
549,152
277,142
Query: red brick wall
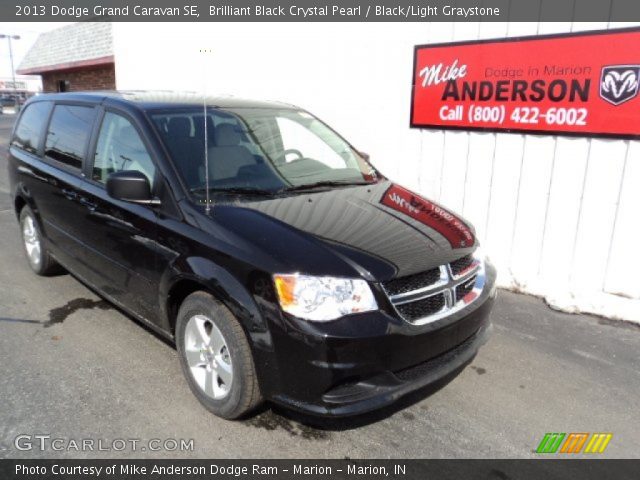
x,y
101,77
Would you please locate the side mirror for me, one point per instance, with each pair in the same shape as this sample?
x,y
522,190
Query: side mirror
x,y
364,155
130,186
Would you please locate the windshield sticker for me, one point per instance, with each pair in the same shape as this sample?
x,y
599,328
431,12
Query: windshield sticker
x,y
457,233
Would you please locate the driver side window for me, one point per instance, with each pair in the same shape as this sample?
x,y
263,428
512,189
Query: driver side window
x,y
120,148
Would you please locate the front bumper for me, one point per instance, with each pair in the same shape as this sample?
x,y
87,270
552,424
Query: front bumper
x,y
362,363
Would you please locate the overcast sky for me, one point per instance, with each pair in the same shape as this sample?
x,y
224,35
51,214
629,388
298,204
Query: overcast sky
x,y
28,32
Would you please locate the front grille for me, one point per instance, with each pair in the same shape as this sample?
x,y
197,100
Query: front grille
x,y
463,289
412,282
422,308
458,266
431,295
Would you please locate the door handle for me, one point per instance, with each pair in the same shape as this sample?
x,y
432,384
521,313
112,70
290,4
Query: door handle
x,y
70,194
89,204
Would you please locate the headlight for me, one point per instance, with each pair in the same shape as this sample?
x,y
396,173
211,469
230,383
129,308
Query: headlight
x,y
323,298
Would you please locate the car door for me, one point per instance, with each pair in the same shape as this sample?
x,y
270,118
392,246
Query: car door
x,y
55,181
122,234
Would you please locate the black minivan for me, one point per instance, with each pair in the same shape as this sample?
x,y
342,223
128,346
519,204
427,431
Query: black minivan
x,y
282,264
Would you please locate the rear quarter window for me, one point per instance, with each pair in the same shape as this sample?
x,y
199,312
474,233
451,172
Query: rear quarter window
x,y
69,133
30,128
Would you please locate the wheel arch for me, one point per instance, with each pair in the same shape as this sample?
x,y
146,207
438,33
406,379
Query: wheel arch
x,y
200,274
22,198
18,204
178,292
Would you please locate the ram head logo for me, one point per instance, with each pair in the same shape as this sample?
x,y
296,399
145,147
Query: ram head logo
x,y
619,83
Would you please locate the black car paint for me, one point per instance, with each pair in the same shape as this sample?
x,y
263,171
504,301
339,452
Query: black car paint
x,y
145,259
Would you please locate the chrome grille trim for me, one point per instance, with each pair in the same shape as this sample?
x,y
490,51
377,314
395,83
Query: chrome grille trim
x,y
467,272
447,285
401,298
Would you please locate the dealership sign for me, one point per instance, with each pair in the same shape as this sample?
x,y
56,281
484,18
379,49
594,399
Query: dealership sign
x,y
576,84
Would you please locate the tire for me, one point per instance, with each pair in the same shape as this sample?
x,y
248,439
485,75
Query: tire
x,y
216,358
34,244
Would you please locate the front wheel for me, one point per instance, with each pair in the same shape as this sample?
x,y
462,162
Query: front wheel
x,y
216,357
39,258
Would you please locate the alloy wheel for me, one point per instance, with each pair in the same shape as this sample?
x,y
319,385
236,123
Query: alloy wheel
x,y
208,357
31,240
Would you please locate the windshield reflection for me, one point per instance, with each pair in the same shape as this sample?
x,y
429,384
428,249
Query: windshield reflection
x,y
259,151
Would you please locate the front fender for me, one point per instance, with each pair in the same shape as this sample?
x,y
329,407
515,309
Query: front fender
x,y
237,298
225,287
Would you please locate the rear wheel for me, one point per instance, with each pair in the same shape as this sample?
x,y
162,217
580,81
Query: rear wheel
x,y
35,249
216,357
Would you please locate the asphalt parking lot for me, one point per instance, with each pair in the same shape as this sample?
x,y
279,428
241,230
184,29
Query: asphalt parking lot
x,y
74,367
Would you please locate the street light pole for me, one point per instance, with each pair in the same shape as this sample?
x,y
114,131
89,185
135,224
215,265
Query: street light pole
x,y
13,71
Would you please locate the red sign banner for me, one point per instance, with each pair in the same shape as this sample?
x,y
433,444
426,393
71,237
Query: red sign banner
x,y
457,233
576,84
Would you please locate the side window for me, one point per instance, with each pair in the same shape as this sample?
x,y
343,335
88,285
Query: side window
x,y
68,134
120,148
31,127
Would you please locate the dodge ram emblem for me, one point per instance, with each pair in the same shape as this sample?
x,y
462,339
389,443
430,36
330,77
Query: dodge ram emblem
x,y
619,83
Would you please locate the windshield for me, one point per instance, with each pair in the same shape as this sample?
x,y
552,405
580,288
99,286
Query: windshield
x,y
258,150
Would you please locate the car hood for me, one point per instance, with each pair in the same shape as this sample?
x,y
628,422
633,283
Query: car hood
x,y
381,229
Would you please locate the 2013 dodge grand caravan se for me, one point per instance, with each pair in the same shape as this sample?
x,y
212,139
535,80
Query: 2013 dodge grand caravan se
x,y
283,265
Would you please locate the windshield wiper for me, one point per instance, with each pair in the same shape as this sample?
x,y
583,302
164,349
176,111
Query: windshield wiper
x,y
246,190
324,183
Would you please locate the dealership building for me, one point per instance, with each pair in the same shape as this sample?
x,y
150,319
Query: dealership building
x,y
556,212
73,58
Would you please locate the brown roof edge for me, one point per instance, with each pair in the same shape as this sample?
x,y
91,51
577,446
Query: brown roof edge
x,y
92,62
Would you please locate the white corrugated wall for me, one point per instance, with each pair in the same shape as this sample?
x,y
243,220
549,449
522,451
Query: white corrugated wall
x,y
557,215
